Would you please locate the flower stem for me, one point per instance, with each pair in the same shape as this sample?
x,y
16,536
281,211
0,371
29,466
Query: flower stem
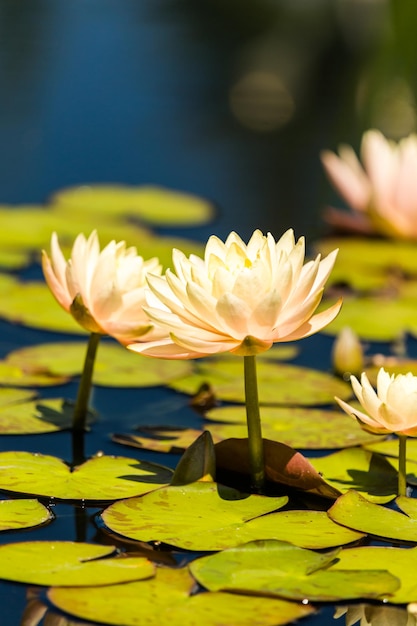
x,y
402,475
255,442
83,395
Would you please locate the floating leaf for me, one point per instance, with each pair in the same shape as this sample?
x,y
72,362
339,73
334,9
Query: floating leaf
x,y
400,562
67,563
101,478
9,395
283,465
306,428
306,529
168,599
363,315
281,569
156,205
355,468
278,383
355,511
25,513
114,367
162,439
36,416
197,516
18,376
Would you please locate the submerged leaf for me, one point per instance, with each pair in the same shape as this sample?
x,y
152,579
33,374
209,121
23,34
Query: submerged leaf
x,y
281,569
168,599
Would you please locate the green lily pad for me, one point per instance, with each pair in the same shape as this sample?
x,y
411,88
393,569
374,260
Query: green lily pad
x,y
355,511
67,563
19,376
363,315
306,428
278,383
168,598
354,468
115,366
102,478
35,416
155,205
32,304
199,516
306,529
161,439
22,514
8,395
281,569
400,562
389,449
369,263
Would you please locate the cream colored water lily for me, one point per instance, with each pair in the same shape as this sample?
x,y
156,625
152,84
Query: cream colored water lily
x,y
382,192
392,408
104,290
240,298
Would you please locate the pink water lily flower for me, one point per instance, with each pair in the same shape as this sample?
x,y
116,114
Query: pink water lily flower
x,y
392,408
239,298
103,290
382,191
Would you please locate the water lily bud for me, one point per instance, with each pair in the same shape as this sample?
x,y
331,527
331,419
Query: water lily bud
x,y
347,354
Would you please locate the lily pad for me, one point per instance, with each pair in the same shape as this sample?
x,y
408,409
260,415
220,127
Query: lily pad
x,y
354,468
35,416
168,598
355,511
102,478
281,569
161,439
197,516
400,562
67,563
115,366
311,429
363,315
156,205
22,514
279,383
19,376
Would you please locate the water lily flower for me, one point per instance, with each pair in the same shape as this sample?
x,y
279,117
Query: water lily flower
x,y
392,408
241,298
103,290
382,192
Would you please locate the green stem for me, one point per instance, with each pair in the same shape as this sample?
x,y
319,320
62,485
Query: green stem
x,y
402,475
255,442
81,404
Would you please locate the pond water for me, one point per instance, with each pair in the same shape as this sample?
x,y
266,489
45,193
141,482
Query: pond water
x,y
138,93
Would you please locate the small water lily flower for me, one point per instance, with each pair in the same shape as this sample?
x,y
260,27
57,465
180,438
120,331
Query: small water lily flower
x,y
347,353
392,408
103,290
241,298
382,192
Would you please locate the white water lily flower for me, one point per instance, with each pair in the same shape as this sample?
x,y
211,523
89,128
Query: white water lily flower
x,y
102,289
240,298
391,409
383,191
